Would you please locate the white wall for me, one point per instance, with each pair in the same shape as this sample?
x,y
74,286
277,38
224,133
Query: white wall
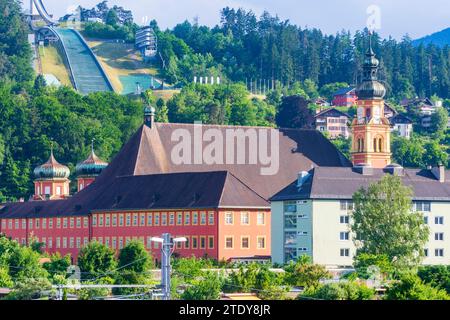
x,y
324,227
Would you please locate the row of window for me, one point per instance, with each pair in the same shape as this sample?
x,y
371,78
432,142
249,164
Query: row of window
x,y
422,206
135,219
345,252
437,220
45,223
245,242
193,242
153,219
245,218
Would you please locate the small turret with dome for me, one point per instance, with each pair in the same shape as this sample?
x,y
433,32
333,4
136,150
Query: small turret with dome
x,y
88,170
370,87
51,180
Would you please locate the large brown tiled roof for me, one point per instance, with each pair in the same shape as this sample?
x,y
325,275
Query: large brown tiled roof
x,y
342,183
148,152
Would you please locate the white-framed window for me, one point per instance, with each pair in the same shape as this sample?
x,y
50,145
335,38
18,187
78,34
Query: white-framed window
x,y
422,206
303,249
344,219
261,242
346,205
211,218
245,242
438,220
438,252
425,252
425,219
229,242
245,218
345,252
439,236
344,236
228,218
302,233
261,219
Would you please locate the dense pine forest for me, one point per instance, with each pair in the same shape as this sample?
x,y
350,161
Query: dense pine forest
x,y
304,62
245,47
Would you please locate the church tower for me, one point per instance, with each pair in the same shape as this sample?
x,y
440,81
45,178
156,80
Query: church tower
x,y
371,129
51,180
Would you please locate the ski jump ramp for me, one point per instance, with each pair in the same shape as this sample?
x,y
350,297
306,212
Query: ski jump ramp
x,y
87,73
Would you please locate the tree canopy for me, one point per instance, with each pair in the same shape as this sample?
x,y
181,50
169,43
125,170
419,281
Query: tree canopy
x,y
384,223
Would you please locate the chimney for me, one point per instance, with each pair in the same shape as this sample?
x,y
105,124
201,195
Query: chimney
x,y
149,116
364,169
302,176
439,172
395,169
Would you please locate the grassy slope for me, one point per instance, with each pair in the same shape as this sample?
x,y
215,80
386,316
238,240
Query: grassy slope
x,y
52,63
119,59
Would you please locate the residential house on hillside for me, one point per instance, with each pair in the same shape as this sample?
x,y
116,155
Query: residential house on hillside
x,y
423,107
334,122
403,125
345,97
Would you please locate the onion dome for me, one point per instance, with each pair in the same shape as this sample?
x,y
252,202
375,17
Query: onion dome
x,y
52,169
92,166
370,88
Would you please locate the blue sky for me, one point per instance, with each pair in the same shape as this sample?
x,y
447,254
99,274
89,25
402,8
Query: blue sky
x,y
398,17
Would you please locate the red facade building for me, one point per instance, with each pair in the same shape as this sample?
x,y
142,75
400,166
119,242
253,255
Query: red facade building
x,y
345,97
221,208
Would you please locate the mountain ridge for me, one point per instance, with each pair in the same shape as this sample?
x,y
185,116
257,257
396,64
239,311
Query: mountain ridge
x,y
440,38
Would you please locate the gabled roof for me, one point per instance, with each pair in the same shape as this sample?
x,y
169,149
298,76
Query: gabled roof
x,y
400,119
342,183
346,90
387,106
149,152
330,112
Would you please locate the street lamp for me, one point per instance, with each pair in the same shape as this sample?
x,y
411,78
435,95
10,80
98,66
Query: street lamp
x,y
167,249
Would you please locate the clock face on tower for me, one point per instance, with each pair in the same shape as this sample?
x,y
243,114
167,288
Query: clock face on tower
x,y
360,115
376,115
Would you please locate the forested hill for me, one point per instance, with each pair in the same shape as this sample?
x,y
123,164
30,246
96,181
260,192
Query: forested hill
x,y
244,46
441,38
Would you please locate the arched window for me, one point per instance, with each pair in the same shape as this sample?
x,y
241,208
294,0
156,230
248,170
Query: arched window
x,y
362,145
380,145
375,145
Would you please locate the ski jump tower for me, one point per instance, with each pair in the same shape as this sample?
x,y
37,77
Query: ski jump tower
x,y
38,12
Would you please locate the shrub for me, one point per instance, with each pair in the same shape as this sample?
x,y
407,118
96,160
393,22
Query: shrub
x,y
339,291
411,287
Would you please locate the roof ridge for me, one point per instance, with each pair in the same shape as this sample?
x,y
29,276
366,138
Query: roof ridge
x,y
139,148
244,184
214,125
329,109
